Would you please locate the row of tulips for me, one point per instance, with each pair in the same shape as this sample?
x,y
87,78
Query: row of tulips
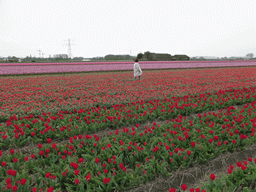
x,y
19,131
39,69
126,158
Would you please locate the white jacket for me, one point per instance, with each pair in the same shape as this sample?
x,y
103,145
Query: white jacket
x,y
137,70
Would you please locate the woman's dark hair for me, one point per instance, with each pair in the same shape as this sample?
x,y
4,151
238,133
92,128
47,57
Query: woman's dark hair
x,y
136,60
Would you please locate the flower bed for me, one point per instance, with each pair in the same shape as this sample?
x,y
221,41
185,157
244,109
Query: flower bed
x,y
38,94
22,130
124,158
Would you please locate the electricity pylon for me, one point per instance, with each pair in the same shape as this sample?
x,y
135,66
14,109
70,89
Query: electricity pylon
x,y
69,49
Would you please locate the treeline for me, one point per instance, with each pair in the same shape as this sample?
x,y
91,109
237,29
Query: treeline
x,y
148,56
111,57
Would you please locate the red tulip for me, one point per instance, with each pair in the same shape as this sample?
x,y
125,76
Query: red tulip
x,y
212,176
184,187
193,144
97,160
76,181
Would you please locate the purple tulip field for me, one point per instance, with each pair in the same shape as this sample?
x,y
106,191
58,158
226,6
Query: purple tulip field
x,y
37,68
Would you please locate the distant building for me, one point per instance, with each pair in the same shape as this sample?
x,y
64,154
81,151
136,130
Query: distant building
x,y
180,58
162,57
193,58
205,58
85,59
77,58
237,58
61,56
157,57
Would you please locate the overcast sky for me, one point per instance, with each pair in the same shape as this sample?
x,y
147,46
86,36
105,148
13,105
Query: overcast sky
x,y
100,27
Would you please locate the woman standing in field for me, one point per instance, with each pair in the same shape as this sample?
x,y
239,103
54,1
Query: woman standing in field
x,y
137,69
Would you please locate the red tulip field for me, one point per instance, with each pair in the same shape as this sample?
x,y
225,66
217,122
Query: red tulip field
x,y
172,130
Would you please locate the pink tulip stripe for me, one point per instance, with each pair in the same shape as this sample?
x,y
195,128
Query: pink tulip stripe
x,y
37,68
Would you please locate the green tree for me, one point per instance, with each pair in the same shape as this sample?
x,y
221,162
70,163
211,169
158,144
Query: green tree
x,y
139,56
109,57
13,59
149,56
